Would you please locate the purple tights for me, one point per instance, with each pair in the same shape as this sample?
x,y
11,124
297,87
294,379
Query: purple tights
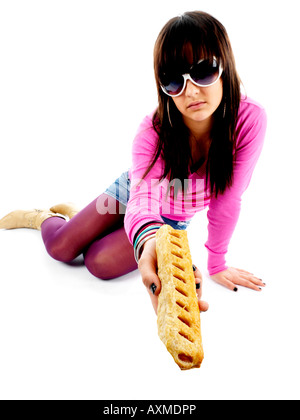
x,y
101,238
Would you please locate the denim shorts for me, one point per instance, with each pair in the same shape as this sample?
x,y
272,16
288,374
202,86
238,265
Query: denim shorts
x,y
120,191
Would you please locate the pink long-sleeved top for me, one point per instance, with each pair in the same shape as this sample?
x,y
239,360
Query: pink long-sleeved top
x,y
149,199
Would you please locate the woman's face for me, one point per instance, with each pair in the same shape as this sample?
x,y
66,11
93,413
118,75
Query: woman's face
x,y
197,104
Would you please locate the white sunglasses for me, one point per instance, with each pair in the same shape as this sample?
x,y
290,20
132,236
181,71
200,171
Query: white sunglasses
x,y
203,74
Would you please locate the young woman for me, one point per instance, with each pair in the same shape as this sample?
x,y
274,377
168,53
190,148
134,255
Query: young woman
x,y
198,149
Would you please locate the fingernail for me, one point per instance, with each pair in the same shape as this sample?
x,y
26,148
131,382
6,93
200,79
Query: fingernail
x,y
153,288
198,285
194,268
235,289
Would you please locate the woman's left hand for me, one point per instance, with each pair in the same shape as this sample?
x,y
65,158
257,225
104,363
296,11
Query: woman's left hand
x,y
232,277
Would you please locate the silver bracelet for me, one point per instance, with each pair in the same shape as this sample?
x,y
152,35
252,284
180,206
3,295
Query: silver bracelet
x,y
140,244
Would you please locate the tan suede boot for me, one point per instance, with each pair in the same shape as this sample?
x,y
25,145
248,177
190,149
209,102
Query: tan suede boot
x,y
67,209
31,219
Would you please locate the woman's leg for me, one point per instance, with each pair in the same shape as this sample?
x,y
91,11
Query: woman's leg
x,y
64,240
111,256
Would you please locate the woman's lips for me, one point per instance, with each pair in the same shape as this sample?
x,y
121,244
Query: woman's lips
x,y
196,105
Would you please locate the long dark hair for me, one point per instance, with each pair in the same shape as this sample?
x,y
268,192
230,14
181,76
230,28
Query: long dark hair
x,y
208,38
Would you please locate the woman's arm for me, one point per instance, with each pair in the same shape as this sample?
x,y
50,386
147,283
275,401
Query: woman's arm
x,y
144,202
224,210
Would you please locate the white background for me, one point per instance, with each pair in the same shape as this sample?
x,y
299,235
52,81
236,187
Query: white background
x,y
76,79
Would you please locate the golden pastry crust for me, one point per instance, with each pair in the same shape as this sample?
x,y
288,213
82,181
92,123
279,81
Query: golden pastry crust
x,y
178,315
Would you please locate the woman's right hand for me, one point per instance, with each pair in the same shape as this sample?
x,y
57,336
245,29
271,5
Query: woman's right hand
x,y
148,269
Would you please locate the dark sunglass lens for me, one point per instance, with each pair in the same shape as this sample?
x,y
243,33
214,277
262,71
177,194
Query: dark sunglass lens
x,y
205,72
172,84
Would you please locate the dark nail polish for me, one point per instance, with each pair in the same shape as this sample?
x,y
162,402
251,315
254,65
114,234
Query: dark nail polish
x,y
235,289
194,268
198,285
153,288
